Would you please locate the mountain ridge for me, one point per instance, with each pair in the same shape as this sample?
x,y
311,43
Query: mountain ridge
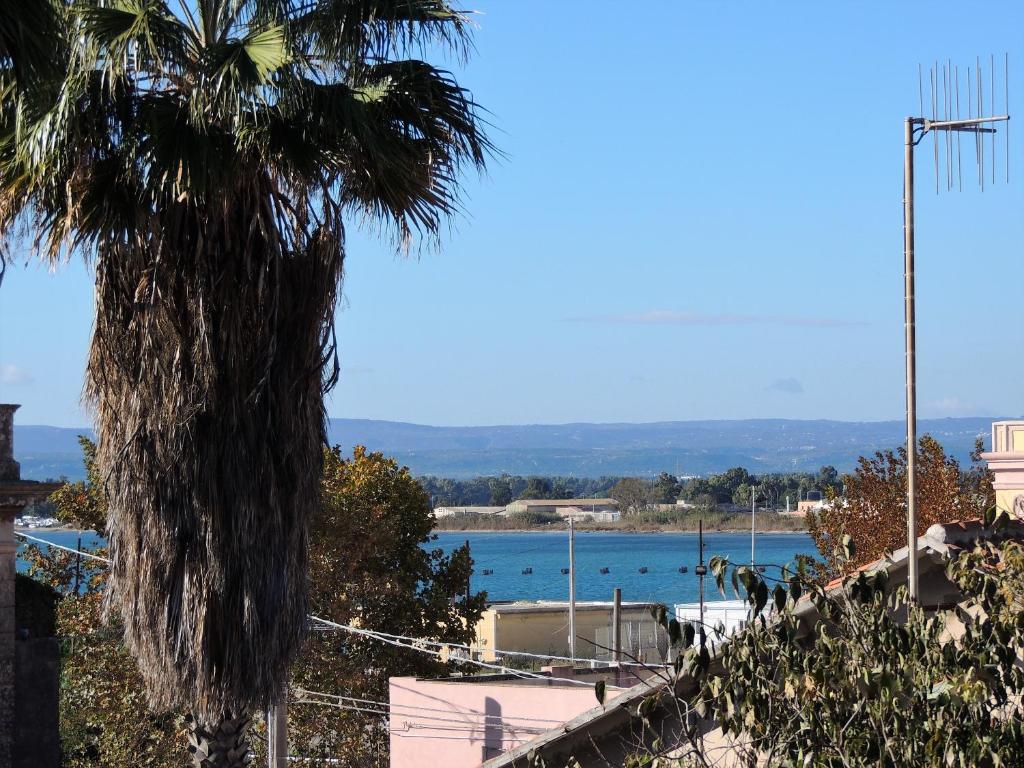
x,y
582,448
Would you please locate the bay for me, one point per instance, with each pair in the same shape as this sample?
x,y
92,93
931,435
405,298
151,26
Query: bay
x,y
507,554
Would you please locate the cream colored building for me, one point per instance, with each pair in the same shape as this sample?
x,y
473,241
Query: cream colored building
x,y
440,512
598,509
542,627
1006,460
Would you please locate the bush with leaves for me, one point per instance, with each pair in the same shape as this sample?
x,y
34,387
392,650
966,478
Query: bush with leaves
x,y
876,681
369,566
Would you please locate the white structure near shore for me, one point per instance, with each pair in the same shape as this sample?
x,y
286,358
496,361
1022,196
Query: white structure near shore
x,y
722,618
597,510
440,512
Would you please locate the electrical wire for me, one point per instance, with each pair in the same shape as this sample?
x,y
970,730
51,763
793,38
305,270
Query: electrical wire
x,y
420,648
436,723
61,546
383,637
303,692
497,652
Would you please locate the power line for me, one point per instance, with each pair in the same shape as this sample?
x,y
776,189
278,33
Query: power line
x,y
383,637
437,723
61,546
497,667
442,644
413,707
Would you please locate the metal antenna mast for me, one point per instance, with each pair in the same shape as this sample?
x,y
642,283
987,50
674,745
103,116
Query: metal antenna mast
x,y
572,592
701,571
945,109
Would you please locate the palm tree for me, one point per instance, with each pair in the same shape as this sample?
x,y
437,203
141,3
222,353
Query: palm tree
x,y
204,157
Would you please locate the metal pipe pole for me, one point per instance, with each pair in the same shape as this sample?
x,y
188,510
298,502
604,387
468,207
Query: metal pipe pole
x,y
701,570
469,574
911,345
572,592
617,625
277,732
753,501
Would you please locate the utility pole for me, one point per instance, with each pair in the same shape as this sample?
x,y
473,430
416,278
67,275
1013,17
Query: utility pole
x,y
277,732
572,592
701,570
78,568
753,503
617,625
469,575
910,351
914,130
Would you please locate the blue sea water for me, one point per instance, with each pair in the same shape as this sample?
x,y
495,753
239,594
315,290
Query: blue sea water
x,y
508,553
623,554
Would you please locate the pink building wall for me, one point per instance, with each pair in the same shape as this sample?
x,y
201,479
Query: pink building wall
x,y
451,724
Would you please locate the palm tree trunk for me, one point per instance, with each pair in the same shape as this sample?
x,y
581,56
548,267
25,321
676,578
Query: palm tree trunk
x,y
207,369
223,745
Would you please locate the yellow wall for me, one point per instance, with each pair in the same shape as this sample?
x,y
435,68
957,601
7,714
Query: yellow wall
x,y
546,631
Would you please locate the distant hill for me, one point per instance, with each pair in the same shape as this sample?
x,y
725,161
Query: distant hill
x,y
585,450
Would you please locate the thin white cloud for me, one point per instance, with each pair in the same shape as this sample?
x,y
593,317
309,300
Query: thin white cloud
x,y
14,375
950,406
788,385
674,317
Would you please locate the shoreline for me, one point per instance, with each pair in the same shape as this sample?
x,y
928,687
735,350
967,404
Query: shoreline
x,y
730,531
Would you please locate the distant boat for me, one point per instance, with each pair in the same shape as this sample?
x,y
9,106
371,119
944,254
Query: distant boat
x,y
527,571
605,570
488,571
683,569
565,571
643,569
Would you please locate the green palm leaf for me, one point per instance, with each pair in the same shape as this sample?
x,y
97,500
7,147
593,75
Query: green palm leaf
x,y
206,156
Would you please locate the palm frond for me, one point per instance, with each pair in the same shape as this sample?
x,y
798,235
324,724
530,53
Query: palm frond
x,y
30,38
138,35
206,159
380,29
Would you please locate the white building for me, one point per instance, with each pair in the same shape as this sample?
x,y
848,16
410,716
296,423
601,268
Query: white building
x,y
725,616
597,509
440,512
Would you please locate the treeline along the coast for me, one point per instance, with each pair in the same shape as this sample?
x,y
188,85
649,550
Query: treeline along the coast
x,y
734,486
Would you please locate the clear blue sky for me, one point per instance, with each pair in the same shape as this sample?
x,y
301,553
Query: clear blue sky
x,y
698,217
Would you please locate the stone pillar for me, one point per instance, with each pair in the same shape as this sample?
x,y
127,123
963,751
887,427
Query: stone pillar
x,y
15,495
8,551
1006,460
9,471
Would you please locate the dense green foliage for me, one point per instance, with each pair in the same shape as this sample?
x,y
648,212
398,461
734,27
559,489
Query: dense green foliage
x,y
734,485
500,490
855,675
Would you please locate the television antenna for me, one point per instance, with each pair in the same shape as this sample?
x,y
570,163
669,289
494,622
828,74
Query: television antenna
x,y
948,122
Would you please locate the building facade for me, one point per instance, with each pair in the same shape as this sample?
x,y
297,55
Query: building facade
x,y
542,627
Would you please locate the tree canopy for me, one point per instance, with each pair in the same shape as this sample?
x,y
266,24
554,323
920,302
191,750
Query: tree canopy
x,y
873,512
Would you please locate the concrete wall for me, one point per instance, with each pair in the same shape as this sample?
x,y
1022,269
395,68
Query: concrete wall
x,y
453,724
1006,460
37,704
545,630
7,557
